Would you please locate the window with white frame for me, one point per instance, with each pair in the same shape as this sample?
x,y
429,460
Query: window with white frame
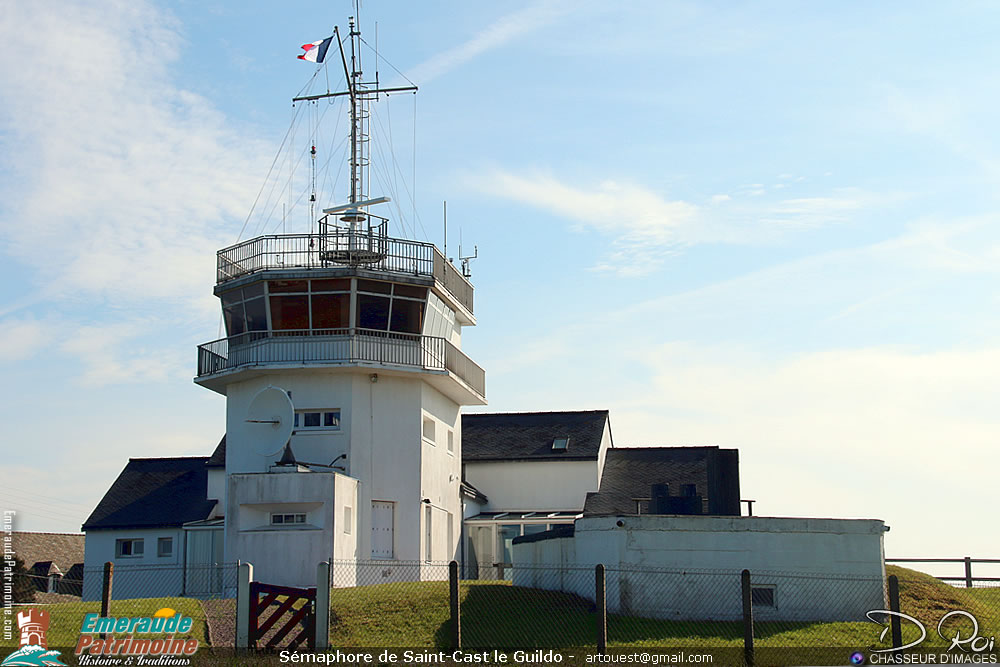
x,y
347,519
316,420
428,430
129,548
451,441
288,519
165,547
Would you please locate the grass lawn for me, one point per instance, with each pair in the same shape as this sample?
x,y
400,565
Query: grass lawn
x,y
498,615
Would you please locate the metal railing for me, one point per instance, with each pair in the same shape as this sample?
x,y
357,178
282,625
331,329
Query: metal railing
x,y
317,346
968,561
370,251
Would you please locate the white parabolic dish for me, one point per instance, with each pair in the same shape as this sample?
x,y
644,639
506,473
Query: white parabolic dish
x,y
269,421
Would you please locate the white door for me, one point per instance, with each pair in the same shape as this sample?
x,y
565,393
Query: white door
x,y
382,534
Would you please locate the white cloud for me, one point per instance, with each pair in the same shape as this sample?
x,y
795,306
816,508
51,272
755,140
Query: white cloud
x,y
646,228
121,182
505,29
115,353
20,338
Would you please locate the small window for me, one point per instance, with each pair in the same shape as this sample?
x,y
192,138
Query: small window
x,y
316,419
128,548
560,444
165,547
347,520
451,441
287,519
689,490
762,596
428,431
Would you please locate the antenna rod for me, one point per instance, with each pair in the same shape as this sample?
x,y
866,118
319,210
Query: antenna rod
x,y
446,229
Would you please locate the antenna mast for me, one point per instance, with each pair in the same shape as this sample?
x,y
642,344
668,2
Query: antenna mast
x,y
361,94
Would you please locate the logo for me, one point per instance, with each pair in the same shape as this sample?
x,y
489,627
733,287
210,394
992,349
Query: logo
x,y
129,636
857,658
33,650
969,641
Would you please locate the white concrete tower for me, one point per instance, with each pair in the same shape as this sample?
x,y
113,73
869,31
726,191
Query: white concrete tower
x,y
363,332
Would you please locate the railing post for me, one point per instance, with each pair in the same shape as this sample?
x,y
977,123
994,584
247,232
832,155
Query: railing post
x,y
244,577
968,572
455,605
323,605
748,656
897,630
109,573
600,597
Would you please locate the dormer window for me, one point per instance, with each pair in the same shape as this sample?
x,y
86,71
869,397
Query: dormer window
x,y
560,444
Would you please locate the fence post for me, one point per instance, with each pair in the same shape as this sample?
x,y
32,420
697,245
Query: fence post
x,y
968,571
323,605
748,657
243,578
897,630
109,573
454,604
600,596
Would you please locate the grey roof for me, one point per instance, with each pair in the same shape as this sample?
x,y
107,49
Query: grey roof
x,y
155,492
218,457
630,473
529,435
50,552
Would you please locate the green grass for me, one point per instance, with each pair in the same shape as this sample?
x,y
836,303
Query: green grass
x,y
65,617
498,615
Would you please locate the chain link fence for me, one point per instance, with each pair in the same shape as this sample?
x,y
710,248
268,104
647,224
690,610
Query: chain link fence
x,y
781,617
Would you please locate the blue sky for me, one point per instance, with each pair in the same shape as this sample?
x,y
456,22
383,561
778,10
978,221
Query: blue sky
x,y
769,226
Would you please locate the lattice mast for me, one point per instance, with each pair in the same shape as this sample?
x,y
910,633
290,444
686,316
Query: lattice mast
x,y
362,94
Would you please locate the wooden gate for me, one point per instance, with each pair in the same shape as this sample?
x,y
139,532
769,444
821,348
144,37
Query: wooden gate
x,y
296,610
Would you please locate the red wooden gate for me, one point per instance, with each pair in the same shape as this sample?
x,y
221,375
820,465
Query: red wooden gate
x,y
275,628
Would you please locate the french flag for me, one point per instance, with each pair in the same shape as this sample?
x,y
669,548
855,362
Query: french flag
x,y
316,51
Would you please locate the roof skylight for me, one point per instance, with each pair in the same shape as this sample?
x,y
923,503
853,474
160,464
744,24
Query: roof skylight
x,y
560,444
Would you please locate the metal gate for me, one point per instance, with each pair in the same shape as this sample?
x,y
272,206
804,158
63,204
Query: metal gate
x,y
296,610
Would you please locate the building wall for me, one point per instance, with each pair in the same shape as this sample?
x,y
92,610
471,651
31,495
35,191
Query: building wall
x,y
135,576
286,555
843,557
533,485
217,486
380,431
441,473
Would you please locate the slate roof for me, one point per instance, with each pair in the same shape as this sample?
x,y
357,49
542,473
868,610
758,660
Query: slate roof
x,y
50,552
155,492
630,473
218,457
528,435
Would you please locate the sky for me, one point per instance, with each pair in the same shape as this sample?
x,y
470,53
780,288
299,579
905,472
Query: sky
x,y
770,226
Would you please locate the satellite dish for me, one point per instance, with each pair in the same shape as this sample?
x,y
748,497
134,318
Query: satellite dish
x,y
269,421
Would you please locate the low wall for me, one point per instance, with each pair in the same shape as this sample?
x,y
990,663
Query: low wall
x,y
688,567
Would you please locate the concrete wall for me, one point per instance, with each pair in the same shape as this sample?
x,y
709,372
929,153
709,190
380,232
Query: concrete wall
x,y
286,555
217,486
533,485
135,577
441,473
820,569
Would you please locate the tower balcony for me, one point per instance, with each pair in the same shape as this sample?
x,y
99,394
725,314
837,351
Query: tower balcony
x,y
371,252
260,352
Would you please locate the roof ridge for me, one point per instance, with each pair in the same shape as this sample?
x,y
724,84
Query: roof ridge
x,y
44,532
539,412
169,458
